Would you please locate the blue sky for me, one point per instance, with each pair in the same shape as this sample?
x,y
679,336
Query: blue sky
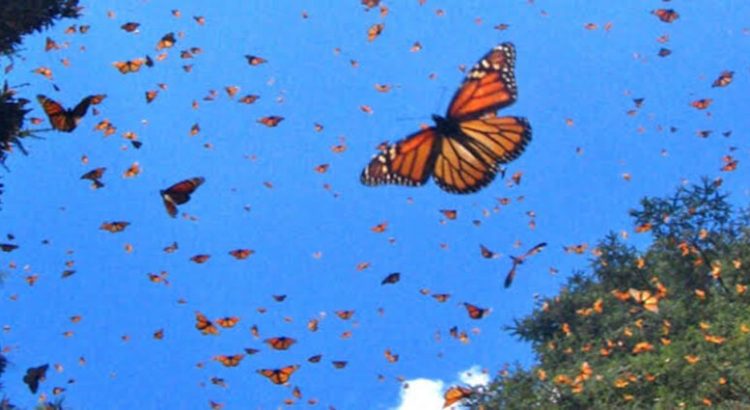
x,y
572,181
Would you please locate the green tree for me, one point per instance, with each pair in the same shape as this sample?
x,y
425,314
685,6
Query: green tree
x,y
667,327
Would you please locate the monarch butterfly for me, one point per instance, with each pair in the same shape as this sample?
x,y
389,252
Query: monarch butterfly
x,y
666,15
179,193
229,360
315,359
486,253
339,364
456,394
464,150
391,279
724,79
167,41
441,297
34,375
279,376
517,260
227,322
130,27
115,226
255,60
451,214
130,66
241,253
250,350
62,119
280,343
701,104
204,325
271,120
475,312
649,301
345,314
8,247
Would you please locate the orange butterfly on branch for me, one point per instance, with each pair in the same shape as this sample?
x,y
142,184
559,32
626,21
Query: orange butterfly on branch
x,y
279,376
65,120
179,194
646,299
464,150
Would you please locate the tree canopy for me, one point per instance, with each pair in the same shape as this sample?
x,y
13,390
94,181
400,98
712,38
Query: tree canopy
x,y
666,327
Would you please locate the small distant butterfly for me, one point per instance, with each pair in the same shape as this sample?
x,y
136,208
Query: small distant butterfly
x,y
392,278
279,376
130,66
280,343
229,360
62,119
179,194
204,325
475,312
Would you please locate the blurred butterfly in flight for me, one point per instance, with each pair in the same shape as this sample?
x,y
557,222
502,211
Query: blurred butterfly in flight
x,y
179,193
464,150
62,119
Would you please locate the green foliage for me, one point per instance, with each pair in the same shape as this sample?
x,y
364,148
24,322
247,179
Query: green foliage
x,y
665,328
21,17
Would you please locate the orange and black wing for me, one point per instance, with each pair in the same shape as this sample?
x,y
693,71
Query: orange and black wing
x,y
511,274
407,162
279,376
59,117
469,161
80,110
179,193
489,86
281,342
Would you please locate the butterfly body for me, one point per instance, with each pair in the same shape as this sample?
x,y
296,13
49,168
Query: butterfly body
x,y
465,148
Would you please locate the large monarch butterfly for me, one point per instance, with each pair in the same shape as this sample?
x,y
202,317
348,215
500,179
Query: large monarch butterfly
x,y
279,376
179,193
65,120
464,150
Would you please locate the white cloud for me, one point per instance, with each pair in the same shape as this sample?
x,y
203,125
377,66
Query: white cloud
x,y
474,376
422,394
427,394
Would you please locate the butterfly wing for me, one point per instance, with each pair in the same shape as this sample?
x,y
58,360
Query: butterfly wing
x,y
179,193
511,275
489,86
469,161
59,117
80,110
407,162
